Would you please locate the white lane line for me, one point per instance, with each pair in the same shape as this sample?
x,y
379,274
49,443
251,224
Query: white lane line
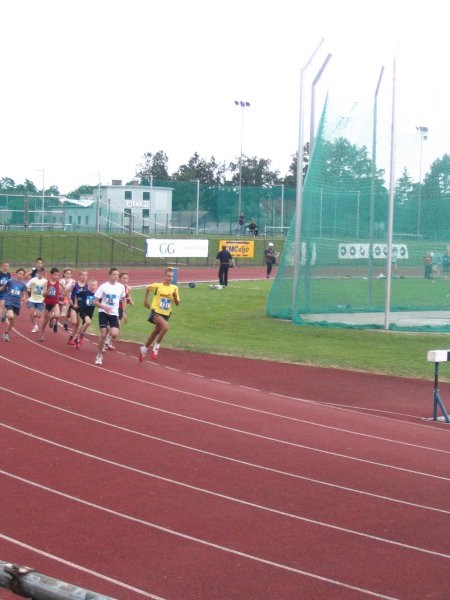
x,y
214,455
197,540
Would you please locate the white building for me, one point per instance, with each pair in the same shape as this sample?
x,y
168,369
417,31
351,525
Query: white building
x,y
116,207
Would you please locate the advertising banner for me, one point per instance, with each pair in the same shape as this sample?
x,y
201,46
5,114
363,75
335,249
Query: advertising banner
x,y
188,248
356,250
239,249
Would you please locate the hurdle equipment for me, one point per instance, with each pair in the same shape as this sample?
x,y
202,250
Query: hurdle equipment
x,y
438,356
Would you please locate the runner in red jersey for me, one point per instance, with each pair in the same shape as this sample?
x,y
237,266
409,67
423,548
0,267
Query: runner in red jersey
x,y
51,303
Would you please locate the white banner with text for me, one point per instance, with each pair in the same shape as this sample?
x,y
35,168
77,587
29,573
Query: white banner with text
x,y
189,248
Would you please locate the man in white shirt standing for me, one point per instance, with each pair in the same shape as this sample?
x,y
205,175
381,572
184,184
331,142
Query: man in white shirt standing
x,y
107,299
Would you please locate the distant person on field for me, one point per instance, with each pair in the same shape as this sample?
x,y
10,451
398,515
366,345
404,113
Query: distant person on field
x,y
394,262
241,224
225,260
163,296
269,258
436,268
445,265
427,265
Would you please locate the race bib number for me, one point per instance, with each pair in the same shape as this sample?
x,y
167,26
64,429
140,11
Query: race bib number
x,y
164,304
109,299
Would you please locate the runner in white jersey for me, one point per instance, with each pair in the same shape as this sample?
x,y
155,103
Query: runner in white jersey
x,y
107,299
67,284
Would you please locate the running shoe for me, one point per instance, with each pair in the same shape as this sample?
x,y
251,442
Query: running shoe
x,y
71,342
55,327
76,341
5,337
66,327
41,339
99,359
35,329
142,353
154,354
80,339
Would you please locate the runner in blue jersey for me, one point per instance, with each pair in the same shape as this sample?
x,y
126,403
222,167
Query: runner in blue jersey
x,y
16,291
4,276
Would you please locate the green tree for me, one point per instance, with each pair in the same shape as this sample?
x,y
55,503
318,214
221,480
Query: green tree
x,y
6,183
207,172
255,171
83,190
435,200
153,167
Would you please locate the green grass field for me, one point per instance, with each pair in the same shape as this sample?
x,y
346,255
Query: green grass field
x,y
233,321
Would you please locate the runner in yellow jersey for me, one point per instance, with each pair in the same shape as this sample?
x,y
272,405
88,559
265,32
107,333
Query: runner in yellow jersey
x,y
165,294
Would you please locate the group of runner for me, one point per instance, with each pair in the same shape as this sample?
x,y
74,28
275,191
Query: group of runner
x,y
53,300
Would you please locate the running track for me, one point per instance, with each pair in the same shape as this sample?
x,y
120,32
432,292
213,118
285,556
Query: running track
x,y
207,477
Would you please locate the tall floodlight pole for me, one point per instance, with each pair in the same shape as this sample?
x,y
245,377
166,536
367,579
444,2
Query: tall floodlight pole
x,y
423,132
372,190
197,181
299,188
243,105
42,195
97,205
387,308
312,124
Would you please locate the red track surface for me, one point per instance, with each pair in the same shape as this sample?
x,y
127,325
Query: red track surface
x,y
176,480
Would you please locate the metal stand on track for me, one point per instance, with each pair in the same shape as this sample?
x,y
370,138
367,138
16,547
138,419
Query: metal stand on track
x,y
438,356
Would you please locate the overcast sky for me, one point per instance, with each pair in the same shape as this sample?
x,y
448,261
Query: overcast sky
x,y
89,86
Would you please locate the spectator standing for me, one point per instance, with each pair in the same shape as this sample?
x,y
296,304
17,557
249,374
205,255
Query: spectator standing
x,y
241,224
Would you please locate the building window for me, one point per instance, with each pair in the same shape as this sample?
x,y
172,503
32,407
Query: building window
x,y
70,219
128,194
145,195
145,213
87,220
127,212
79,220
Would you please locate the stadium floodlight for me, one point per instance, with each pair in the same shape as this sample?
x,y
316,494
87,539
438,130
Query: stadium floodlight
x,y
242,104
423,132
